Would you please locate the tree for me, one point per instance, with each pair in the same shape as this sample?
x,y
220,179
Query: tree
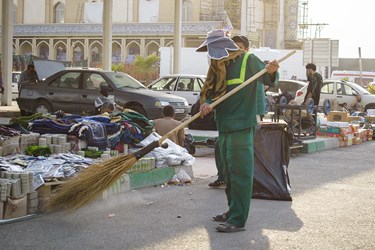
x,y
146,67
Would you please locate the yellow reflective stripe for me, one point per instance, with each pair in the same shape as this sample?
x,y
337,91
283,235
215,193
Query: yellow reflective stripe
x,y
242,72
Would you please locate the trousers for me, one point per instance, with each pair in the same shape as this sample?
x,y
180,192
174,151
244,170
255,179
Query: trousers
x,y
237,159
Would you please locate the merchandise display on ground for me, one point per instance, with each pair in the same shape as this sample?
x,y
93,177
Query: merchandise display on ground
x,y
40,152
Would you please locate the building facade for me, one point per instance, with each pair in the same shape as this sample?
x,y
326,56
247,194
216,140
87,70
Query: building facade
x,y
71,30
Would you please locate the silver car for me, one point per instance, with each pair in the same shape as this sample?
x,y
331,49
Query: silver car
x,y
184,85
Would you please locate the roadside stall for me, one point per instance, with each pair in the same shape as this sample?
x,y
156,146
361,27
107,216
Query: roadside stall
x,y
46,150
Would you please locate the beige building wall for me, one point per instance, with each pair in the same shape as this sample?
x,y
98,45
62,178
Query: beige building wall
x,y
122,11
34,11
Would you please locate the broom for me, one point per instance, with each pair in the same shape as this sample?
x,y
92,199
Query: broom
x,y
91,182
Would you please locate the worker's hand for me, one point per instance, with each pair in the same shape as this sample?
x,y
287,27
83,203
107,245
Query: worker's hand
x,y
272,67
205,109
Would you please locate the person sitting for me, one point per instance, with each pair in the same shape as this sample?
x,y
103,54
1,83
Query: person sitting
x,y
28,76
102,99
167,123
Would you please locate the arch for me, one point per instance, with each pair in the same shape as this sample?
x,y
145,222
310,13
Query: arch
x,y
116,52
14,48
187,10
133,49
26,48
59,13
60,51
78,51
43,50
169,44
95,53
152,48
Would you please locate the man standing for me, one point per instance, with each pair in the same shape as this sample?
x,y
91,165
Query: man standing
x,y
167,123
236,122
315,84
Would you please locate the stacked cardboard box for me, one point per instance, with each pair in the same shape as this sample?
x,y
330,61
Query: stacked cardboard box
x,y
348,134
14,190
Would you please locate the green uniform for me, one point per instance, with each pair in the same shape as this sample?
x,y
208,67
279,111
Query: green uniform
x,y
236,123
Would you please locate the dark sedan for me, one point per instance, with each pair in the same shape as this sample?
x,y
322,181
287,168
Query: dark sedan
x,y
75,90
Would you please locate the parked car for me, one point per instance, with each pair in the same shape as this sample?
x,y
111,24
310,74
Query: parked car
x,y
291,86
273,94
15,79
340,92
187,86
75,90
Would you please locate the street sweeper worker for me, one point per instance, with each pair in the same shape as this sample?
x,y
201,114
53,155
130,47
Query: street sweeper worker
x,y
235,118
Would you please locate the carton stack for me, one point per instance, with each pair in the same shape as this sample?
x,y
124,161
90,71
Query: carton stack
x,y
348,134
14,190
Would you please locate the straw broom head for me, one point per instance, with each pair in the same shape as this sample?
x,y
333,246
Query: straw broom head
x,y
91,182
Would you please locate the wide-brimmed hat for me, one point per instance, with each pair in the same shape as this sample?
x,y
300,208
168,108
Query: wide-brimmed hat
x,y
243,39
217,44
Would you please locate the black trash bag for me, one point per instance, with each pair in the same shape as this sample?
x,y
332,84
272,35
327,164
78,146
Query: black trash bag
x,y
271,160
188,144
205,123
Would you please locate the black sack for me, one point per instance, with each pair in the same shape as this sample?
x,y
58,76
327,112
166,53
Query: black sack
x,y
271,160
205,123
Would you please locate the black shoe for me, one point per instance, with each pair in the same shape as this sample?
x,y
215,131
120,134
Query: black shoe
x,y
217,184
229,228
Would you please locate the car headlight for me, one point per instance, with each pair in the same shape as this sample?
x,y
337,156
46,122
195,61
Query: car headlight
x,y
161,103
186,103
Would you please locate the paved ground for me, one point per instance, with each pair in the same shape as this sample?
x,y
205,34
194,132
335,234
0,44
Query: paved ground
x,y
333,208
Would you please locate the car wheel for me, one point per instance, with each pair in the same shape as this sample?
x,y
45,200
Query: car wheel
x,y
138,109
43,107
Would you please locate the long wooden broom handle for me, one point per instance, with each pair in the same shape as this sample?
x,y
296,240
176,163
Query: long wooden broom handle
x,y
215,103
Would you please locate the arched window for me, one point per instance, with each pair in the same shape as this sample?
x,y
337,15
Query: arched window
x,y
43,51
133,51
14,13
96,56
78,53
26,49
152,49
116,52
59,13
61,52
187,10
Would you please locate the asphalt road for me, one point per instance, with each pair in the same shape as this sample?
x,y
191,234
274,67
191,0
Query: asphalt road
x,y
333,207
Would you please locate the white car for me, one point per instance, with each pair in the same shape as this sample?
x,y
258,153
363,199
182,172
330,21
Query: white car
x,y
340,92
15,79
183,85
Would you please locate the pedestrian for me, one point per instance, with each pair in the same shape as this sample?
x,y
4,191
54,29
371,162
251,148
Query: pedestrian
x,y
28,76
236,120
168,123
315,84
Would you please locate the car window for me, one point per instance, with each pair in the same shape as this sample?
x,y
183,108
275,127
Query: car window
x,y
93,81
186,83
67,80
198,83
349,90
166,84
122,80
327,88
